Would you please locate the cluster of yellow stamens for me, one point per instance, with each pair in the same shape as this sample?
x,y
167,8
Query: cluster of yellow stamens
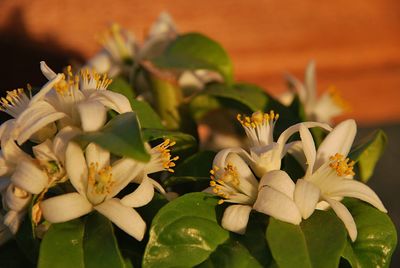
x,y
101,180
14,98
165,152
258,118
337,98
221,184
71,81
102,81
342,166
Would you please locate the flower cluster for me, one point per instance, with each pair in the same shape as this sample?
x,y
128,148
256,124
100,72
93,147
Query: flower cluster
x,y
256,181
47,122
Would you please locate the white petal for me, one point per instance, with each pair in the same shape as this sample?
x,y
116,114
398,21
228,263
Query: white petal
x,y
309,148
95,154
112,100
343,213
93,115
123,172
235,218
306,197
47,72
141,196
276,204
296,150
75,164
326,108
310,83
157,186
16,199
189,80
356,189
65,207
124,217
280,181
248,183
46,88
29,177
61,141
283,138
44,151
13,220
338,141
44,133
35,118
101,62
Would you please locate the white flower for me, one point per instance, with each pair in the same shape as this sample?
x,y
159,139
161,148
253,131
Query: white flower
x,y
329,176
79,100
33,116
266,154
97,184
119,48
232,179
322,109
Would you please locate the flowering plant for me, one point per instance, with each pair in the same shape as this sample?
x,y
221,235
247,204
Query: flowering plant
x,y
134,160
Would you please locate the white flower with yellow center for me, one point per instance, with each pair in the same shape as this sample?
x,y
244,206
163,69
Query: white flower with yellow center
x,y
329,176
119,48
97,183
33,116
79,100
322,109
266,154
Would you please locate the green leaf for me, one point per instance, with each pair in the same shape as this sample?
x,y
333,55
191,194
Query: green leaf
x,y
148,118
250,98
62,246
185,144
255,231
230,254
100,245
368,152
376,239
194,51
120,85
185,232
121,136
193,174
316,242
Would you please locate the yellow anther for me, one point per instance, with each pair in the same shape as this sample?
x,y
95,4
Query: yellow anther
x,y
342,166
101,180
257,118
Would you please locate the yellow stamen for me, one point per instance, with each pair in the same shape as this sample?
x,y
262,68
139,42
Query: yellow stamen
x,y
230,176
101,180
342,166
257,118
165,151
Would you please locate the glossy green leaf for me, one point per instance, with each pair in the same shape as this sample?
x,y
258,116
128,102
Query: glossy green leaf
x,y
121,136
100,245
62,246
148,118
245,97
185,232
231,254
120,85
185,143
376,239
256,228
193,174
194,51
317,242
368,152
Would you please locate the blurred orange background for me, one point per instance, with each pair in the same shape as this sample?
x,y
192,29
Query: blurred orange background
x,y
356,44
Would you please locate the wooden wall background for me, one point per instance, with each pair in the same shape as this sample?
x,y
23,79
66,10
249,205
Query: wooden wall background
x,y
356,43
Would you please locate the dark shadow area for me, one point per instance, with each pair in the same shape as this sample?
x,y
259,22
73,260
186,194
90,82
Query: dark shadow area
x,y
386,179
20,55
